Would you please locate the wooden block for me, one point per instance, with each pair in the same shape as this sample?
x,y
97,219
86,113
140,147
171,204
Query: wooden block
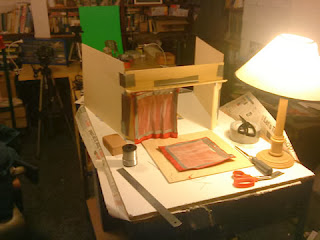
x,y
113,143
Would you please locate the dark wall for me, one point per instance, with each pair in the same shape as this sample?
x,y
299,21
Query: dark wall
x,y
211,22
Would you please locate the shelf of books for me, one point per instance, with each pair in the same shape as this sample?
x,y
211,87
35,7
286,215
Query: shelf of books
x,y
17,21
162,18
65,14
61,19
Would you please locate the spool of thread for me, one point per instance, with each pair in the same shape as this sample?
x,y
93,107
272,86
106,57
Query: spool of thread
x,y
129,158
242,138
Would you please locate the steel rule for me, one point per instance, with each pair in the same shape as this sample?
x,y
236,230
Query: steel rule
x,y
175,222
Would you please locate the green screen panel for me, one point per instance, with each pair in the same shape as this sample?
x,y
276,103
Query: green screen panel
x,y
100,23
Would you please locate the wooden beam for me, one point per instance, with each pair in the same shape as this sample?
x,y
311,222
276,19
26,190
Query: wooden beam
x,y
145,79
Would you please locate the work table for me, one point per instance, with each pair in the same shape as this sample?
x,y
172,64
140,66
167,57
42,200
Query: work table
x,y
200,192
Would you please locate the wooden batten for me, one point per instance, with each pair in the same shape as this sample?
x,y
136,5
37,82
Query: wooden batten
x,y
204,84
145,79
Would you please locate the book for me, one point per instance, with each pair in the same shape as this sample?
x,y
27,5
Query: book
x,y
9,22
13,22
4,21
23,18
73,14
17,19
11,56
150,25
29,24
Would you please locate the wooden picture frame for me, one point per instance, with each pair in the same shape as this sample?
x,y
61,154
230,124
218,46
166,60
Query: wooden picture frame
x,y
147,2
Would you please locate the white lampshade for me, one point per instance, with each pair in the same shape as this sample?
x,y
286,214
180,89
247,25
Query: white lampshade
x,y
288,66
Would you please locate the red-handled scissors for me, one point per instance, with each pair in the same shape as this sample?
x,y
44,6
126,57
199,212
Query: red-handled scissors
x,y
243,180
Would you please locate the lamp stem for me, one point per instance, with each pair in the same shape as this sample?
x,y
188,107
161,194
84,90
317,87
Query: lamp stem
x,y
276,157
277,139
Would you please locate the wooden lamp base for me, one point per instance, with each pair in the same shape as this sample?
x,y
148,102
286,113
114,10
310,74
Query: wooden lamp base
x,y
284,161
275,156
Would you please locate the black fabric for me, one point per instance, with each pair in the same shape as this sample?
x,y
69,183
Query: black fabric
x,y
7,135
7,157
6,199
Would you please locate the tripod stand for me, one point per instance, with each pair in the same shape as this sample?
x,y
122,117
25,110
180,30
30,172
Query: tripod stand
x,y
76,44
50,102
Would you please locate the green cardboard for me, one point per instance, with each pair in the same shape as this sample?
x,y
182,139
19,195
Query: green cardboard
x,y
100,23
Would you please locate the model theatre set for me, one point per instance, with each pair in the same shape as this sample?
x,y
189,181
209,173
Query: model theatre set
x,y
141,106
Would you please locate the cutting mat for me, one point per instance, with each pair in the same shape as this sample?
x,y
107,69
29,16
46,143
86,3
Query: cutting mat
x,y
172,175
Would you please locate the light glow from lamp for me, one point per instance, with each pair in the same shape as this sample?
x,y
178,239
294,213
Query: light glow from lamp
x,y
288,66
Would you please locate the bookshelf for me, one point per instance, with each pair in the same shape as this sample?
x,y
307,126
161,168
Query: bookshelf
x,y
63,14
16,20
232,39
143,23
61,19
233,30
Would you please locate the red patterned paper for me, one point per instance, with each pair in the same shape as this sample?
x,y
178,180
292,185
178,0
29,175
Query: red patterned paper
x,y
156,115
194,154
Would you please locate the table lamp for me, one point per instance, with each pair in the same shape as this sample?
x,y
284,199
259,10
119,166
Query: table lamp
x,y
288,66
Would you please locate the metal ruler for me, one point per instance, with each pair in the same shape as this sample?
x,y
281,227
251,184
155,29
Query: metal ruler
x,y
95,151
175,222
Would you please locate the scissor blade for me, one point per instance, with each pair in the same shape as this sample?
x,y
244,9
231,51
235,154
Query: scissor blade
x,y
272,176
276,174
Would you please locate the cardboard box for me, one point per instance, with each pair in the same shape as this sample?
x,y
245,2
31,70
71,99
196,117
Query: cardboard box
x,y
158,11
170,25
176,11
